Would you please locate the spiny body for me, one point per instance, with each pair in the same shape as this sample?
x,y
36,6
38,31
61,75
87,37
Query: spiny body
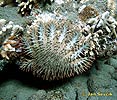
x,y
56,50
59,48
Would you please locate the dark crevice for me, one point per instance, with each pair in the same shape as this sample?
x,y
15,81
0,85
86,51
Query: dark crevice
x,y
76,98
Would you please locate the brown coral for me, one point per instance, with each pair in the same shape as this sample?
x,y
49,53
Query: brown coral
x,y
87,12
10,38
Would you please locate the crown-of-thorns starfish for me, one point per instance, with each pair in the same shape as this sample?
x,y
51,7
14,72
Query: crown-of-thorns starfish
x,y
57,50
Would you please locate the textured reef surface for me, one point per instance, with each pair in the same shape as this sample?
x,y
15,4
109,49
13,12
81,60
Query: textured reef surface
x,y
44,43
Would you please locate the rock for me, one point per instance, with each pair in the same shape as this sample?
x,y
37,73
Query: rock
x,y
114,75
39,95
113,62
102,84
15,90
3,64
10,14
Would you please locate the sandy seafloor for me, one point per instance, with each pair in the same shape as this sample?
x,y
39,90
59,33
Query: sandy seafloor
x,y
96,84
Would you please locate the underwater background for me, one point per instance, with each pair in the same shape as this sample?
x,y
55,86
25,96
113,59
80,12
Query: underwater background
x,y
19,80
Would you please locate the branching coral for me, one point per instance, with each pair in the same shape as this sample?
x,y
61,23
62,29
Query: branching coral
x,y
104,36
9,38
25,7
112,5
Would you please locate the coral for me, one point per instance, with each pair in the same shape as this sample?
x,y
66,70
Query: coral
x,y
104,37
86,12
9,2
112,6
9,38
56,49
25,7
